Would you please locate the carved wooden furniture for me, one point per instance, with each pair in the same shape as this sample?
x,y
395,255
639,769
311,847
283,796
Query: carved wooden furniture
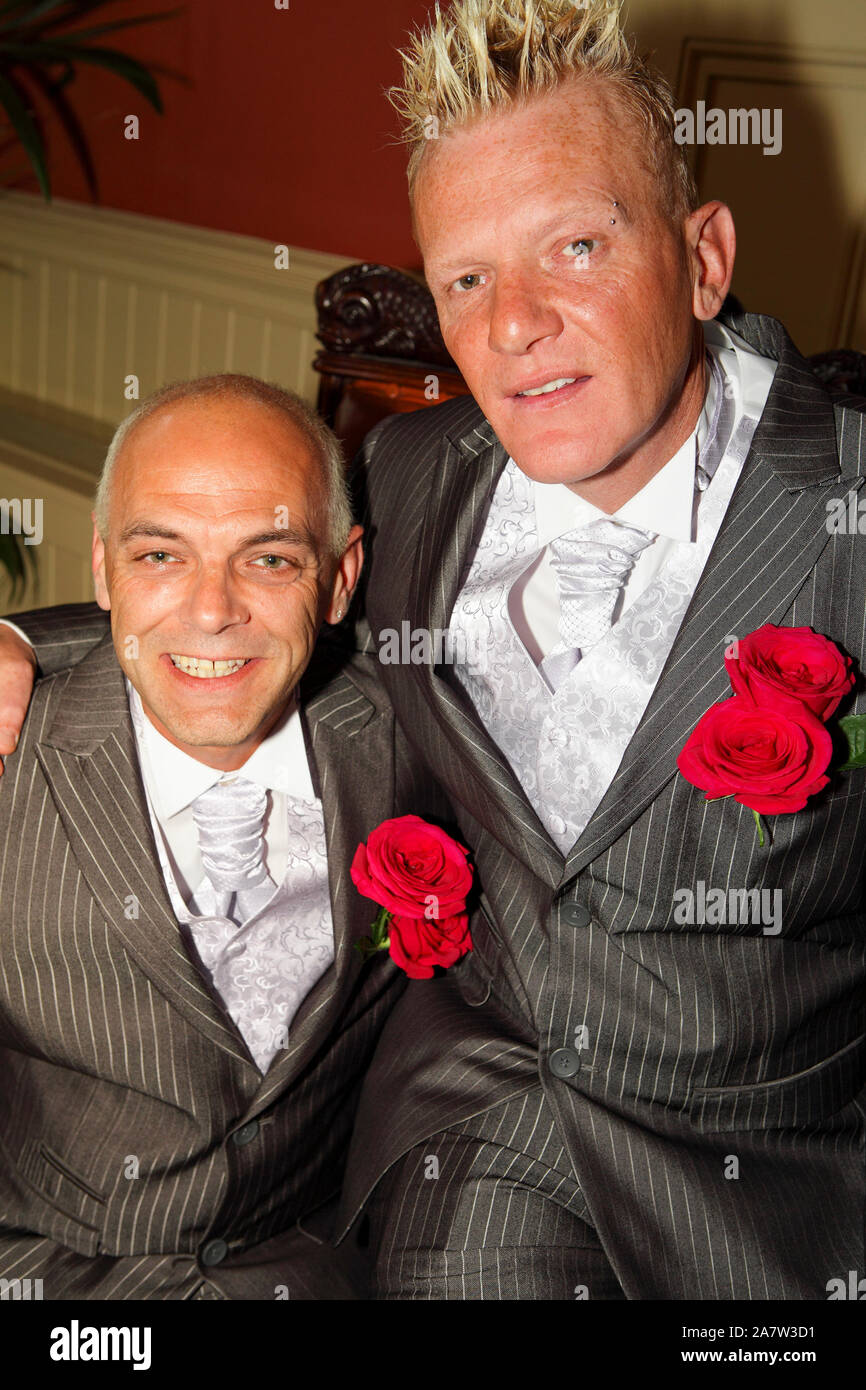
x,y
383,352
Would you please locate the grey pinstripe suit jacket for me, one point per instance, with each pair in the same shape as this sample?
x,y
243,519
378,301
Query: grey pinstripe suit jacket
x,y
702,1042
122,1079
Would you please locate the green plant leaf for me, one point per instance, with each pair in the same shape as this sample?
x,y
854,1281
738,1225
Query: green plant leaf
x,y
854,728
130,69
27,130
56,97
10,559
13,553
111,26
30,11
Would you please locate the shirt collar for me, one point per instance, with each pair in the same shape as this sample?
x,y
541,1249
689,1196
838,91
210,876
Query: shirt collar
x,y
664,505
174,779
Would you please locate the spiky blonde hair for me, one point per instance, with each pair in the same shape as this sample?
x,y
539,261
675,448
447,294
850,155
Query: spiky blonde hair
x,y
487,54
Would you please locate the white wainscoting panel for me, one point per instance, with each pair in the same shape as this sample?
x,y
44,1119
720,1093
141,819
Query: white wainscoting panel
x,y
90,297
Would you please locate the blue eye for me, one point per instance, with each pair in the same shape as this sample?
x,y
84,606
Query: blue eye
x,y
281,562
584,244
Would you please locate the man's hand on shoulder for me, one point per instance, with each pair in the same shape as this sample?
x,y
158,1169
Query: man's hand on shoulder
x,y
17,675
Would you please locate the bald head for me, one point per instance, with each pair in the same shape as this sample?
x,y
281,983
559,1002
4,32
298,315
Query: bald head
x,y
300,423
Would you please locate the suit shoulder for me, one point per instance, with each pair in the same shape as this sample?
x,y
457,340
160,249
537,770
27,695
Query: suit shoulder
x,y
44,703
48,692
442,418
850,416
336,669
364,671
850,405
419,433
395,469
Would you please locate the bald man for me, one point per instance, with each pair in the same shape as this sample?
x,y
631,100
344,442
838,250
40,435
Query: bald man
x,y
184,1023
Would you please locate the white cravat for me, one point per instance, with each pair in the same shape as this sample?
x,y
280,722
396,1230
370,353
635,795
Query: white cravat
x,y
229,818
591,566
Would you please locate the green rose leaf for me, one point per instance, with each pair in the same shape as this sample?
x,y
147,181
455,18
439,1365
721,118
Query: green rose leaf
x,y
854,728
379,938
379,929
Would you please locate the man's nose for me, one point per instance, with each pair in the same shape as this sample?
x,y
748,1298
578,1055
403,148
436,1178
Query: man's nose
x,y
522,313
213,601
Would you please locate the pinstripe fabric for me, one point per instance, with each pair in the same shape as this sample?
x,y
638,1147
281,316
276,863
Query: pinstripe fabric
x,y
123,1078
499,1199
715,1127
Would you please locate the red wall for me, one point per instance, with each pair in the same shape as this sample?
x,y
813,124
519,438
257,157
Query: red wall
x,y
275,123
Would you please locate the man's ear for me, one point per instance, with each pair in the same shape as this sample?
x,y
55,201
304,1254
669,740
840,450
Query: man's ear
x,y
346,577
99,584
712,246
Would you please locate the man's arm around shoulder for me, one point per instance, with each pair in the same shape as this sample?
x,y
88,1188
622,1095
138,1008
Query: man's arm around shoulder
x,y
54,638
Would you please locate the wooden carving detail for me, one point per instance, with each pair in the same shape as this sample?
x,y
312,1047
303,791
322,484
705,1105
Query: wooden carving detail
x,y
378,311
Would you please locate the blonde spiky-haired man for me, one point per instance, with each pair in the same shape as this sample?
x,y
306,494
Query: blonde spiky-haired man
x,y
646,1081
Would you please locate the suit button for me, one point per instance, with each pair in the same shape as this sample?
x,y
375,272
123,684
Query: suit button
x,y
213,1252
564,1062
246,1134
575,915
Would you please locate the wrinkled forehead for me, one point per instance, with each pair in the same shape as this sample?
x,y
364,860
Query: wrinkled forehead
x,y
208,455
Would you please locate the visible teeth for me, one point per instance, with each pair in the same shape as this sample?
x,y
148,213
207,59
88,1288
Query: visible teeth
x,y
203,668
551,386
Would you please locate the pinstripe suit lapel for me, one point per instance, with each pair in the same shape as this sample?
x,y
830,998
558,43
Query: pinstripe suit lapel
x,y
90,763
769,542
467,469
351,747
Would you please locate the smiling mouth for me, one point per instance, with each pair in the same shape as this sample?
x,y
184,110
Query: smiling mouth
x,y
549,386
206,669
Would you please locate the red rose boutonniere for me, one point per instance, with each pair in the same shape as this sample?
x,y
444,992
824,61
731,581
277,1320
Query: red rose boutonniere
x,y
767,744
420,878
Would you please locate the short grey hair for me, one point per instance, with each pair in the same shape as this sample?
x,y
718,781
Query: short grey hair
x,y
324,443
